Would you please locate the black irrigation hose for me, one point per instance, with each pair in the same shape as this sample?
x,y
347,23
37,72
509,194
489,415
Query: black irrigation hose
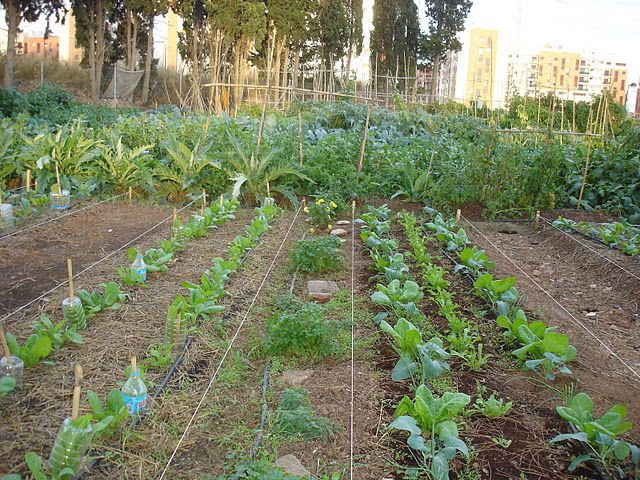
x,y
601,474
263,416
178,361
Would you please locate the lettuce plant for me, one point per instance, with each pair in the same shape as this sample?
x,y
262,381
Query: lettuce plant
x,y
400,298
430,421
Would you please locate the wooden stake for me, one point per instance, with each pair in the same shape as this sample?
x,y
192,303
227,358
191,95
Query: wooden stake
x,y
175,214
300,136
268,190
134,366
58,179
537,216
130,195
363,144
75,404
458,215
5,347
204,200
70,271
221,198
28,185
586,172
268,91
35,184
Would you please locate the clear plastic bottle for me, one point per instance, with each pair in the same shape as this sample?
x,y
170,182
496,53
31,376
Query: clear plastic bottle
x,y
7,220
139,268
15,369
74,437
134,392
74,312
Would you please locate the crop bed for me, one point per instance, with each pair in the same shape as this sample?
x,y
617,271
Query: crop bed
x,y
205,421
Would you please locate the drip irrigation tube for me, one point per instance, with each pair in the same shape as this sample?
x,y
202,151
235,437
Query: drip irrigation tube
x,y
263,415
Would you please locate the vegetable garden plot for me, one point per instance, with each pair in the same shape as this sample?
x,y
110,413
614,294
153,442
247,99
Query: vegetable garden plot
x,y
602,297
220,425
32,416
32,263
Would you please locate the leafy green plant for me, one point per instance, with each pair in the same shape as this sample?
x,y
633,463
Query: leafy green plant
x,y
392,267
160,355
114,409
295,416
448,233
35,348
94,302
317,254
246,469
473,260
430,421
58,333
600,435
156,259
496,290
399,298
492,407
7,385
321,212
301,333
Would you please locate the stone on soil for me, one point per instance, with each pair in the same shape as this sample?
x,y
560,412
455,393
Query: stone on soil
x,y
296,377
321,290
343,222
293,466
339,232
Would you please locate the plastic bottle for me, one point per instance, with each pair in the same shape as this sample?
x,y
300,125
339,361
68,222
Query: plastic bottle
x,y
71,443
74,313
15,369
134,392
7,220
60,201
139,268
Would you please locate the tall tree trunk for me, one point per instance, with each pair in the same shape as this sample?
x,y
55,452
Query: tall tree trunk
x,y
148,62
13,22
347,73
285,75
129,16
296,69
195,70
276,70
100,49
435,74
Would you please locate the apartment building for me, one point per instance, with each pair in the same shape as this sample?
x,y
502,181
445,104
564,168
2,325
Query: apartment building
x,y
481,66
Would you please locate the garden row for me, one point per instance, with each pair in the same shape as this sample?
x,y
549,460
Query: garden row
x,y
185,312
425,349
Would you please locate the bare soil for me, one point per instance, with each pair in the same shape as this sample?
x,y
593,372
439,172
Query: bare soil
x,y
34,262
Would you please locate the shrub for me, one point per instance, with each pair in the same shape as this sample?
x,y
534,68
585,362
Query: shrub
x,y
47,96
295,416
318,254
302,332
12,102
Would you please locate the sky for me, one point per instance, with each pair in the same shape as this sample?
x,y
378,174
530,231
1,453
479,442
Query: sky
x,y
608,27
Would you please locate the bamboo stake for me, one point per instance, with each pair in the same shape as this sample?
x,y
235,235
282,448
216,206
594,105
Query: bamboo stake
x,y
28,181
537,216
5,347
458,215
134,366
300,136
363,144
75,404
58,179
70,271
221,198
204,200
130,196
175,214
268,190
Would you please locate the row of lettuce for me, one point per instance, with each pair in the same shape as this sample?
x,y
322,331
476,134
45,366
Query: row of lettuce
x,y
423,349
184,315
620,235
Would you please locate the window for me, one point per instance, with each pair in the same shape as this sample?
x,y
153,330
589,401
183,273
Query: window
x,y
622,84
607,73
38,47
615,76
561,80
564,64
575,82
578,64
